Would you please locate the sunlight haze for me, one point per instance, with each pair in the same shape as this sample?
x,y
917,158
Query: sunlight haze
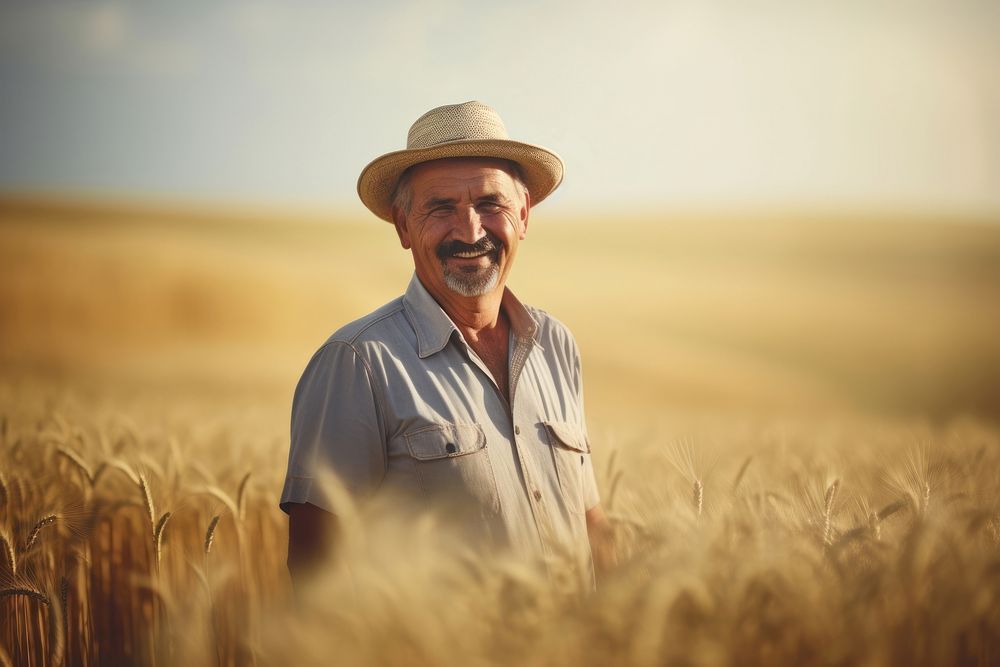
x,y
649,104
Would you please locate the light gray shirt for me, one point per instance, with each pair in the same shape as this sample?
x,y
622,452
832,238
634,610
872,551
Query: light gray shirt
x,y
398,400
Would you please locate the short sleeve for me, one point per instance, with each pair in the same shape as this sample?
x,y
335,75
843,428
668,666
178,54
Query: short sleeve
x,y
336,425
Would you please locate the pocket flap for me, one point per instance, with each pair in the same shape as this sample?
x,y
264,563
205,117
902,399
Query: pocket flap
x,y
445,440
568,435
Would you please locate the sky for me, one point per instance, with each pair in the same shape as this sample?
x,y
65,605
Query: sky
x,y
710,103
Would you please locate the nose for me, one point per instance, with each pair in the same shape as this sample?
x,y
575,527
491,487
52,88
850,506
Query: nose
x,y
469,227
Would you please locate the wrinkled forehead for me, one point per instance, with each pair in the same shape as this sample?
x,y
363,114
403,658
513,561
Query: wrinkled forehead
x,y
461,173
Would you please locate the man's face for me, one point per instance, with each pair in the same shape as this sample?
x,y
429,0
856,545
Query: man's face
x,y
466,218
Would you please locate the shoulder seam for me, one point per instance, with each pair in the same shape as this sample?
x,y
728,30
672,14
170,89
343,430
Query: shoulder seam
x,y
366,327
376,321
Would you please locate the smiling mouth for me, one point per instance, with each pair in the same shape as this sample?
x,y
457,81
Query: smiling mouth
x,y
485,246
471,254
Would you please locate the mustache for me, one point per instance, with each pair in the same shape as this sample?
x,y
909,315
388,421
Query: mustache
x,y
449,248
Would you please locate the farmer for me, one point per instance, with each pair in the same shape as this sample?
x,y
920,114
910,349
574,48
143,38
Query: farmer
x,y
455,394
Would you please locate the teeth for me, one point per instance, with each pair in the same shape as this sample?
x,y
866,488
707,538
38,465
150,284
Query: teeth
x,y
469,255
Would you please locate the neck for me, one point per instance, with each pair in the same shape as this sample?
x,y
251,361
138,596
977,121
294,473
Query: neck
x,y
475,316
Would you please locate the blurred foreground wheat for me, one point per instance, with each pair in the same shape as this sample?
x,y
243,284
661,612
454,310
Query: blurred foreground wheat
x,y
130,539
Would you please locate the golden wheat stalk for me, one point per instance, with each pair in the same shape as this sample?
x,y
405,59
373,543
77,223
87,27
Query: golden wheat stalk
x,y
698,496
612,462
158,535
64,593
57,626
77,461
615,481
241,496
149,464
225,498
741,472
121,466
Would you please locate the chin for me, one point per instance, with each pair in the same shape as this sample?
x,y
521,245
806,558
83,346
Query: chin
x,y
473,284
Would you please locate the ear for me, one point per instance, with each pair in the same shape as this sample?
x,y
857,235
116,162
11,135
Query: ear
x,y
524,212
399,221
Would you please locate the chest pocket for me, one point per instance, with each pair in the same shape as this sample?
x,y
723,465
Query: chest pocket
x,y
569,451
452,465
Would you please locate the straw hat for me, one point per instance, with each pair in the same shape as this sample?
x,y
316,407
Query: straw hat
x,y
471,129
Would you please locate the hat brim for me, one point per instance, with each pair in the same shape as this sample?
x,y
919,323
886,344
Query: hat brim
x,y
542,169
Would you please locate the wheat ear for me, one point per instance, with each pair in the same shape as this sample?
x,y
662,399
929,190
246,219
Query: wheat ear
x,y
37,528
875,524
8,552
147,499
210,533
831,496
26,592
698,496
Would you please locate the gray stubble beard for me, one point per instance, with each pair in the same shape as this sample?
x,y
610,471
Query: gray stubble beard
x,y
473,283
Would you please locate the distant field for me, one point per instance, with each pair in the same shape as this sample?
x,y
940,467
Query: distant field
x,y
780,313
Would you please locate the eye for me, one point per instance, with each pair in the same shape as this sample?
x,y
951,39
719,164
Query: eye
x,y
489,207
441,211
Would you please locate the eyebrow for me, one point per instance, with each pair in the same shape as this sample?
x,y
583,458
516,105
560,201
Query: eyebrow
x,y
493,197
434,202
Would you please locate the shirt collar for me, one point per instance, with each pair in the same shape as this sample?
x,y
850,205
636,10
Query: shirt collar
x,y
433,327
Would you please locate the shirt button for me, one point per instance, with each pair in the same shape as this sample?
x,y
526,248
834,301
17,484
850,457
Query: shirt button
x,y
517,430
537,494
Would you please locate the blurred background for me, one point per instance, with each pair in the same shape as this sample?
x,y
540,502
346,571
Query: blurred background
x,y
768,207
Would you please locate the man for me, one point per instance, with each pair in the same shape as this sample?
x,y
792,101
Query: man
x,y
454,395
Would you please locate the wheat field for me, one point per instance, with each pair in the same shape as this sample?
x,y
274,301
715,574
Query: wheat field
x,y
793,420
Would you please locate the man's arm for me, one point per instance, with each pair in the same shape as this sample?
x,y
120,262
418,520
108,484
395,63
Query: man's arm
x,y
312,539
602,541
336,432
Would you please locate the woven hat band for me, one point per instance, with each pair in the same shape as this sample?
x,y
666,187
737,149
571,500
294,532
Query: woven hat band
x,y
469,121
